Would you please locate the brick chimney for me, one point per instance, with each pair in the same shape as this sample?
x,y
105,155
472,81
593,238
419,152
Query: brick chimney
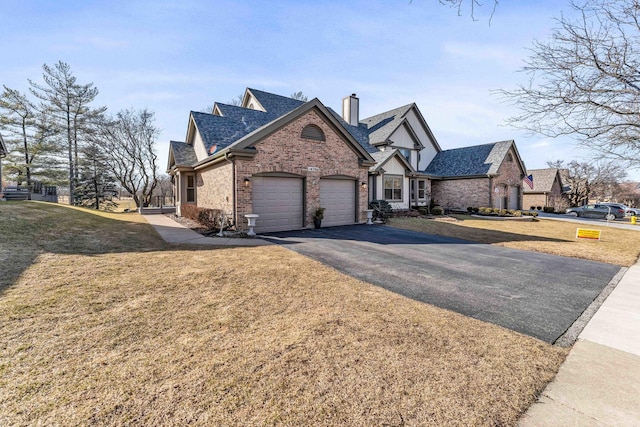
x,y
351,110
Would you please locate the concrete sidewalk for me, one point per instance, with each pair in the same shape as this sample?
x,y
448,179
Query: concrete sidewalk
x,y
174,232
599,382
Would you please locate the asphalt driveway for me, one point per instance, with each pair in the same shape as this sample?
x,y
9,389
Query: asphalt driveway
x,y
536,294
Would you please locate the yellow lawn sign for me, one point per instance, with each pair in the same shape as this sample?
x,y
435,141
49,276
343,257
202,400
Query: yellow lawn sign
x,y
586,233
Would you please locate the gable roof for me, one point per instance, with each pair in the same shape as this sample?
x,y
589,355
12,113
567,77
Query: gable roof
x,y
543,180
382,125
382,157
240,128
273,104
182,154
477,160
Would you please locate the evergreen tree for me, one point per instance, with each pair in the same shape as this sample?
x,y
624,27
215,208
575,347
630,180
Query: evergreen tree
x,y
96,184
69,105
30,138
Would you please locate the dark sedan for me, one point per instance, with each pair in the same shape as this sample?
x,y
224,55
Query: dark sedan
x,y
597,211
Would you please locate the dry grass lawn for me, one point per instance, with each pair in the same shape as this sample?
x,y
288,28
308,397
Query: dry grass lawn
x,y
101,323
617,246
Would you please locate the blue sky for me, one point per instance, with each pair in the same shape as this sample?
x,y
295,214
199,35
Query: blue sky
x,y
177,56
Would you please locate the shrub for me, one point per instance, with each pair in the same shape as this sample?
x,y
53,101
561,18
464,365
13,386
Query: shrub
x,y
437,210
209,218
539,208
533,208
423,210
517,213
549,209
470,209
381,209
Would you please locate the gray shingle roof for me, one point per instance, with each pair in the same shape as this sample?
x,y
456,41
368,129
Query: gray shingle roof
x,y
380,157
237,122
359,133
469,161
183,154
543,180
277,105
382,125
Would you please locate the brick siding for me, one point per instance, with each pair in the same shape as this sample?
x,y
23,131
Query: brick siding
x,y
284,151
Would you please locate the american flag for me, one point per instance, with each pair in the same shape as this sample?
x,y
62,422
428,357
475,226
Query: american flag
x,y
529,181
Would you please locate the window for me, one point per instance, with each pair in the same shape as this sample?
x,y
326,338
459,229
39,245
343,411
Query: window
x,y
422,186
191,189
312,132
509,157
406,153
393,187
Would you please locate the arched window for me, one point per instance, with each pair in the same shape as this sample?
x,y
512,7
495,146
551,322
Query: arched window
x,y
312,132
509,157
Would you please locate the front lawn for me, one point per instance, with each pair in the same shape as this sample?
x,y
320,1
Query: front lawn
x,y
617,246
102,323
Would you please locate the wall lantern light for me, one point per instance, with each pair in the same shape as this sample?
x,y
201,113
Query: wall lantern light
x,y
246,182
363,185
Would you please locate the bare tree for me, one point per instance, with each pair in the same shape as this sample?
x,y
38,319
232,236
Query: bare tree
x,y
129,140
299,96
237,101
472,4
585,81
69,104
597,180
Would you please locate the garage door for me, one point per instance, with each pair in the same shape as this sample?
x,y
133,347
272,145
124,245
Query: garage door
x,y
338,197
278,201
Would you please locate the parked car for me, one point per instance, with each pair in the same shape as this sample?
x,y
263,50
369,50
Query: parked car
x,y
597,211
633,212
627,210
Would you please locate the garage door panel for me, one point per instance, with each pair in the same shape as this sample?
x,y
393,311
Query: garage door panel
x,y
338,197
278,202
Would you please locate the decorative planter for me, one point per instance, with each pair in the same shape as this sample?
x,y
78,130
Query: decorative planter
x,y
369,216
252,223
317,222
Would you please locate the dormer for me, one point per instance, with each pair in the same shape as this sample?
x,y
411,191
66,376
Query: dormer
x,y
250,101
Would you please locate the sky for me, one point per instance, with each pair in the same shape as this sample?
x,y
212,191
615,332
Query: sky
x,y
176,56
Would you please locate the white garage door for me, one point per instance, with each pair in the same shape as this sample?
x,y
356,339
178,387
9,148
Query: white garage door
x,y
338,197
278,201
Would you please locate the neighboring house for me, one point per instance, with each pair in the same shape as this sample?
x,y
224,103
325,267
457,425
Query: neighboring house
x,y
488,175
3,153
548,189
283,158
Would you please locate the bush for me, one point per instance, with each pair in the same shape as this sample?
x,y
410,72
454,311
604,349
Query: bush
x,y
381,209
423,210
533,208
209,218
549,209
437,210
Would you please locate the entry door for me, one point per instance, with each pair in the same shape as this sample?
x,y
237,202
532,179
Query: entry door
x,y
514,198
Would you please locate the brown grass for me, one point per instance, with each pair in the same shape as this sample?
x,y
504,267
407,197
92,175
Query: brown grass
x,y
127,330
617,246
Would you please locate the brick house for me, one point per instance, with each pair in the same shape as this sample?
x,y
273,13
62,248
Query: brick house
x,y
547,189
283,158
488,175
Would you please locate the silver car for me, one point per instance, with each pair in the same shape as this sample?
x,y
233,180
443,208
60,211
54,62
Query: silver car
x,y
597,211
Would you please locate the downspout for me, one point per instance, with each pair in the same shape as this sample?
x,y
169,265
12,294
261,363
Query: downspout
x,y
490,191
234,202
